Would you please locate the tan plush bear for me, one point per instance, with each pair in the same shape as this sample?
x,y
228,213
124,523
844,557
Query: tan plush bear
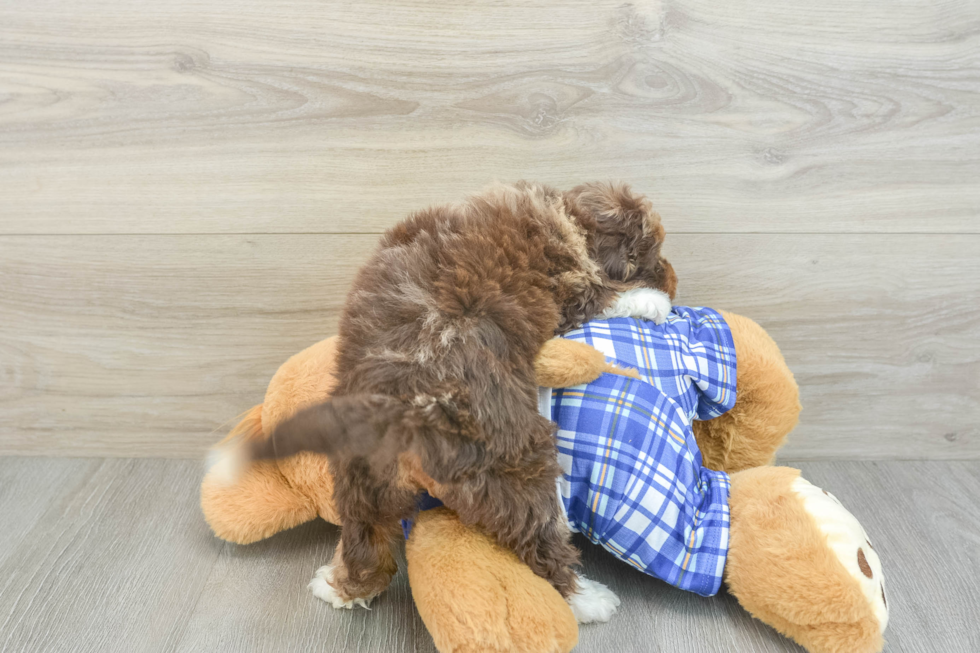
x,y
796,559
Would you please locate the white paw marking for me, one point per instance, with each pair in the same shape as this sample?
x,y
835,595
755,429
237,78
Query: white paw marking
x,y
645,303
846,538
323,590
592,602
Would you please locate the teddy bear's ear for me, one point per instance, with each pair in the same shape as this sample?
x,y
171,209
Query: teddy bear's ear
x,y
627,234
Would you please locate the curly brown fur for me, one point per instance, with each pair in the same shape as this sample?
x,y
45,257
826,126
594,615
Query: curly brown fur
x,y
438,341
626,236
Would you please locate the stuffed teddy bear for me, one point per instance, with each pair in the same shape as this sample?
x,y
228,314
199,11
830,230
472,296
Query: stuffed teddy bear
x,y
788,551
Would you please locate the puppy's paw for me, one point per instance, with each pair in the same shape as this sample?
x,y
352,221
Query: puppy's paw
x,y
323,590
644,303
592,602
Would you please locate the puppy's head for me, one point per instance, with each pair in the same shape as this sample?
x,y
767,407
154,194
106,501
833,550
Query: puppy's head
x,y
625,235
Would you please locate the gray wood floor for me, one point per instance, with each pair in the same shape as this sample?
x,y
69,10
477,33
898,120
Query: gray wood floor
x,y
113,555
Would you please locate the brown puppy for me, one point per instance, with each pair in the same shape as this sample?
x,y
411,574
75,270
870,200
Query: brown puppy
x,y
436,380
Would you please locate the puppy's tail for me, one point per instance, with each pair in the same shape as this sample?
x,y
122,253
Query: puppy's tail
x,y
360,424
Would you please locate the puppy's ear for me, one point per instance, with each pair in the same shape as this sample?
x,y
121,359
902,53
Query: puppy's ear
x,y
626,234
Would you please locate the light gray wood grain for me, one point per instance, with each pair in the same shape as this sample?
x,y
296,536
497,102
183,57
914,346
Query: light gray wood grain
x,y
120,560
116,562
880,331
147,344
239,116
28,486
256,600
151,345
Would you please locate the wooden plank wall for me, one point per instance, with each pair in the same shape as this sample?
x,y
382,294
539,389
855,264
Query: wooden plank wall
x,y
187,187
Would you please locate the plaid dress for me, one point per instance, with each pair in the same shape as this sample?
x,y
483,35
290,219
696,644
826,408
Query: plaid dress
x,y
633,480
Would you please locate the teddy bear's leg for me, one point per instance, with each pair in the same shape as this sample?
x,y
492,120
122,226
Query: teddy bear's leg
x,y
475,596
766,409
800,562
260,503
270,496
304,380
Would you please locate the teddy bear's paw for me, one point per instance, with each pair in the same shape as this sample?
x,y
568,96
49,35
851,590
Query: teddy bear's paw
x,y
849,543
323,590
645,303
592,602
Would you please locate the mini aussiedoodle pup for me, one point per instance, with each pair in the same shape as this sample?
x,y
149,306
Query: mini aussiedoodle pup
x,y
436,379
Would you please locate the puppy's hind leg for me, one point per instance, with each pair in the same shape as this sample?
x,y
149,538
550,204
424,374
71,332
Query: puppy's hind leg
x,y
363,564
519,508
590,601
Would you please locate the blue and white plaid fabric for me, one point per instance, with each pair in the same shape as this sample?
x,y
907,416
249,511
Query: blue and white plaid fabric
x,y
690,357
633,479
